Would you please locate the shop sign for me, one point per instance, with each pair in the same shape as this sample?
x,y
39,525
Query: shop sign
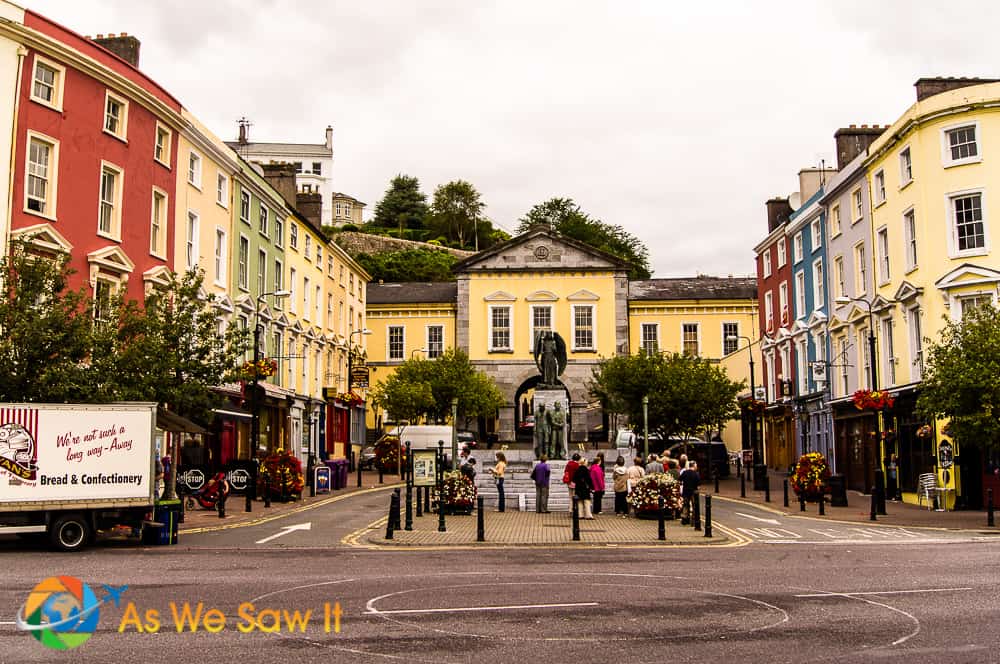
x,y
359,377
241,475
321,479
946,457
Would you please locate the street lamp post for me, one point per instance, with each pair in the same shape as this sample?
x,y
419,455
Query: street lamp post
x,y
350,379
454,433
645,427
254,399
753,399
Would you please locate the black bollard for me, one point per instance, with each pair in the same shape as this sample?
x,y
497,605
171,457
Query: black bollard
x,y
180,517
874,508
409,507
739,466
380,479
249,505
880,491
717,483
785,487
221,505
420,503
802,502
391,520
661,527
427,500
359,473
576,519
743,487
399,506
989,508
696,507
747,468
708,516
267,490
311,477
822,505
480,521
767,488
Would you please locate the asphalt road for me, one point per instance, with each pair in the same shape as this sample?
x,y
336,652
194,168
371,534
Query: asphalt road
x,y
812,598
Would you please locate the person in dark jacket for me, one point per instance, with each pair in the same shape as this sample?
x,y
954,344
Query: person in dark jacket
x,y
689,479
582,489
540,474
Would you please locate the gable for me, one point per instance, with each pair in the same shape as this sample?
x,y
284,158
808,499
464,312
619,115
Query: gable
x,y
541,250
967,275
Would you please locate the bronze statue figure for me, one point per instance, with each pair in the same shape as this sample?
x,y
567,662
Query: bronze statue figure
x,y
550,357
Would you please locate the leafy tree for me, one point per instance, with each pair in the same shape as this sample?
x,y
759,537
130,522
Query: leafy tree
x,y
566,217
421,388
44,329
962,382
403,206
409,265
457,212
688,395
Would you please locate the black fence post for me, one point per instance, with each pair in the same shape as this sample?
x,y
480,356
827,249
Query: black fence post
x,y
576,519
409,508
717,483
743,486
311,477
221,505
380,478
391,521
427,500
880,490
989,508
874,509
480,520
439,467
708,516
696,505
399,509
267,489
420,502
359,473
802,501
767,488
785,487
661,526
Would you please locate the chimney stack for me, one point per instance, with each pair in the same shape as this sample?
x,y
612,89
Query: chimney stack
x,y
853,140
281,176
310,206
124,46
778,211
244,125
928,87
329,137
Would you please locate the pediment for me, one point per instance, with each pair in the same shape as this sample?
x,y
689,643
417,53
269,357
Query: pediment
x,y
158,276
541,249
856,314
584,295
816,319
798,327
224,302
311,334
542,296
112,259
783,335
906,292
296,328
282,319
245,303
500,296
967,275
836,323
44,237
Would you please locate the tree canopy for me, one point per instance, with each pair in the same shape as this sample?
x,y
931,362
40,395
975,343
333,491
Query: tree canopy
x,y
402,206
422,388
409,265
688,395
566,217
962,382
457,213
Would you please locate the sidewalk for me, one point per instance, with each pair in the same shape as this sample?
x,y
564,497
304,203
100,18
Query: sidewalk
x,y
858,507
202,520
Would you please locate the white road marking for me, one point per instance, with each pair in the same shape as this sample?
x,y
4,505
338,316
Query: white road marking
x,y
373,610
770,533
773,522
285,530
886,592
8,623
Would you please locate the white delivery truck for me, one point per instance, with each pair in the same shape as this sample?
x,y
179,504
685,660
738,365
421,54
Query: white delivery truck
x,y
69,470
423,436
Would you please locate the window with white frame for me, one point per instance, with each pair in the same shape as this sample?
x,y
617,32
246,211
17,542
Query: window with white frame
x,y
194,169
279,231
435,341
690,341
397,342
861,270
317,168
47,83
771,376
838,274
835,221
318,305
882,237
910,237
307,251
292,289
350,283
279,281
888,353
158,224
305,297
583,327
817,234
329,264
116,116
319,255
104,292
857,207
879,186
782,251
783,301
221,242
293,236
800,294
329,311
191,241
541,321
765,261
968,228
905,167
222,190
916,344
245,207
866,359
500,327
40,187
347,208
820,342
769,309
961,145
797,248
801,371
730,338
262,220
842,364
109,216
650,338
161,146
819,293
261,271
244,259
969,303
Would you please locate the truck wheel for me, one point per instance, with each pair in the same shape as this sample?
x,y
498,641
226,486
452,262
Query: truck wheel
x,y
70,532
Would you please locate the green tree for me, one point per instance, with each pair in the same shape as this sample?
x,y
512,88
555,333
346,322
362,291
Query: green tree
x,y
962,382
44,329
457,212
403,206
409,265
421,388
688,395
566,217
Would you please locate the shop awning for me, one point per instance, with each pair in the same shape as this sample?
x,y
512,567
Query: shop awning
x,y
167,421
233,411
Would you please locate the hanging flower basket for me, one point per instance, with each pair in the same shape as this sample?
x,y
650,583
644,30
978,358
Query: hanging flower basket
x,y
387,453
645,496
262,368
282,473
754,406
925,431
810,476
872,400
459,493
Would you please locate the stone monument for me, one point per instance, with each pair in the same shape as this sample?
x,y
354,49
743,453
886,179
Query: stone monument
x,y
550,403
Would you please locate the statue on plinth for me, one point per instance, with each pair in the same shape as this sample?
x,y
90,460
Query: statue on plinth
x,y
542,430
550,358
557,425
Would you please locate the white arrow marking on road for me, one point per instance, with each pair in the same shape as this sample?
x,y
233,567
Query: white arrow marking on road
x,y
285,531
373,610
773,522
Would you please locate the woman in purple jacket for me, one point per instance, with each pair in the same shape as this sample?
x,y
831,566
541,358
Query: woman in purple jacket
x,y
597,482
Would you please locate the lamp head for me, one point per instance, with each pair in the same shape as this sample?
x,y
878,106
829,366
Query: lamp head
x,y
732,337
842,300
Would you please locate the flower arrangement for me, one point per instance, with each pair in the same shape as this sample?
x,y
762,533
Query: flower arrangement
x,y
282,472
755,406
262,368
645,496
459,492
872,400
925,431
810,476
387,452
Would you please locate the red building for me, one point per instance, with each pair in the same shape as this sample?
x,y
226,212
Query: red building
x,y
95,155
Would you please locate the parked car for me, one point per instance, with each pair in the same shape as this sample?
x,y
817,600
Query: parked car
x,y
468,439
368,457
699,451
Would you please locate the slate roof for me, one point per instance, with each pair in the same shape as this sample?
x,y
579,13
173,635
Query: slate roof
x,y
412,292
694,288
288,149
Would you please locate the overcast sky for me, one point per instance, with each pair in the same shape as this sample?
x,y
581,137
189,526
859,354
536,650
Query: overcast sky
x,y
674,120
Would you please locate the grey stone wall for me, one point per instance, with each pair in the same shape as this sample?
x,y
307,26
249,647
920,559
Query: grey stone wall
x,y
363,243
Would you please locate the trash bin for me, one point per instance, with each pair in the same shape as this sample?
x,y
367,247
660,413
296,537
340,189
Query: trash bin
x,y
345,468
334,466
759,477
838,490
168,513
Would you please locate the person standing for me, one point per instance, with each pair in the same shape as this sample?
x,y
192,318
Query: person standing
x,y
597,482
654,466
541,474
568,474
635,473
690,479
498,471
619,478
582,489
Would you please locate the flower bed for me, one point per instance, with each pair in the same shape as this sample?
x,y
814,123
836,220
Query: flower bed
x,y
810,476
645,496
282,472
459,493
